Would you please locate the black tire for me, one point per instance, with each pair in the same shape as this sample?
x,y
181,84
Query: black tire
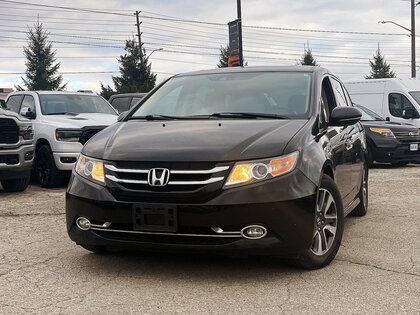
x,y
363,196
322,226
47,174
15,185
369,157
95,249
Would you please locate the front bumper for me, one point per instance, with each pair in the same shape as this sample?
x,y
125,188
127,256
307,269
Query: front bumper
x,y
284,206
21,169
66,154
395,151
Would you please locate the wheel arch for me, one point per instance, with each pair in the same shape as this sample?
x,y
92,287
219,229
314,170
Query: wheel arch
x,y
40,142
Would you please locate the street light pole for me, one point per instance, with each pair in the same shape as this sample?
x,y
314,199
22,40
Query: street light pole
x,y
413,39
158,49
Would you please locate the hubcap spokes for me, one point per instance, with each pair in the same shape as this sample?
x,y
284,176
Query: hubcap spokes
x,y
325,223
365,191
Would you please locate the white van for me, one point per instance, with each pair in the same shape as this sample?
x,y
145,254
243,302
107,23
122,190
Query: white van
x,y
394,99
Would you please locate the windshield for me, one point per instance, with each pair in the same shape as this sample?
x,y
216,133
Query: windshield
x,y
367,114
59,104
416,96
272,93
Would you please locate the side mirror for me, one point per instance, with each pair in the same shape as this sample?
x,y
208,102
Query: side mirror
x,y
2,103
345,116
29,114
408,113
122,116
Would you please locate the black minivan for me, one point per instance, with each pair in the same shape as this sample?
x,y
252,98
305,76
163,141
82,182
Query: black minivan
x,y
255,160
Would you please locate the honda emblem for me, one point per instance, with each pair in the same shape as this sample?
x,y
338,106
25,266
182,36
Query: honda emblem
x,y
158,177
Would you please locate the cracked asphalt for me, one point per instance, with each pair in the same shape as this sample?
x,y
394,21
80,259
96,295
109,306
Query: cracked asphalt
x,y
376,271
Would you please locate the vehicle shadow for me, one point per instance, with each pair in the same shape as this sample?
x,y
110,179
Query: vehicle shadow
x,y
390,166
169,266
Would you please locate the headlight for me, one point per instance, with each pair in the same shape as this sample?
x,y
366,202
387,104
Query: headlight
x,y
383,131
254,171
90,169
26,132
68,135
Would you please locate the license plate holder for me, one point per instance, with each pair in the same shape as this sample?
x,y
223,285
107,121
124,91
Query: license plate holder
x,y
414,147
162,218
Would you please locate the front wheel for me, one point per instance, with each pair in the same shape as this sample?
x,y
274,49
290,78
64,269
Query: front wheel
x,y
15,185
47,174
328,227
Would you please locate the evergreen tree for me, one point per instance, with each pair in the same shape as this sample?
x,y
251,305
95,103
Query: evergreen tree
x,y
307,58
106,91
136,72
379,67
41,66
224,57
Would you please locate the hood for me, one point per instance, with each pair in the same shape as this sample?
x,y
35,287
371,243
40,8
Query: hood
x,y
80,120
9,114
193,140
394,126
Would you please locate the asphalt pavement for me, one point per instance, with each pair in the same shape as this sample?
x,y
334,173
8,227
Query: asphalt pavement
x,y
376,271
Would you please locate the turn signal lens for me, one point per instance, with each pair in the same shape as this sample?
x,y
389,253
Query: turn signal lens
x,y
254,171
383,131
282,165
90,169
240,174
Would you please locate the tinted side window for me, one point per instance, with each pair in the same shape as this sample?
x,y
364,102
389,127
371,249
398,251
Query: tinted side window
x,y
13,103
121,104
28,104
134,101
397,103
339,93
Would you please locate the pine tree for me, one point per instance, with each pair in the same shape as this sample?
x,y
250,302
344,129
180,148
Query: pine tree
x,y
106,91
307,58
379,67
224,57
41,66
136,71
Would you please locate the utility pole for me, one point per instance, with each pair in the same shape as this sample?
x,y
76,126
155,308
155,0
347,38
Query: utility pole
x,y
139,33
241,55
413,39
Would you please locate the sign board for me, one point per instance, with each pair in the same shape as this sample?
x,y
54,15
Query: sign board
x,y
235,44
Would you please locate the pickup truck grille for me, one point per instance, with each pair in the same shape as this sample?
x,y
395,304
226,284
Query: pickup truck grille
x,y
407,136
9,131
183,181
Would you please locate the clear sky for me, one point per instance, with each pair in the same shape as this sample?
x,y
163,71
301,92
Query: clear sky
x,y
193,46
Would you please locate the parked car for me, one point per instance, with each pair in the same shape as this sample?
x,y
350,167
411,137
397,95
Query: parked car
x,y
16,151
390,142
63,122
123,102
398,100
262,160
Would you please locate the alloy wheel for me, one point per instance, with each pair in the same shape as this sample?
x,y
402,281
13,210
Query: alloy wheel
x,y
365,189
325,223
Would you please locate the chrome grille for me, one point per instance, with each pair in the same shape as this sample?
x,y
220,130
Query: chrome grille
x,y
130,180
407,136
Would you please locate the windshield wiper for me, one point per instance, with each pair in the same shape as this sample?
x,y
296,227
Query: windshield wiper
x,y
63,113
247,115
155,117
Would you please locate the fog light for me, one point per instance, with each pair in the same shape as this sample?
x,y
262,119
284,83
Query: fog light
x,y
83,223
254,232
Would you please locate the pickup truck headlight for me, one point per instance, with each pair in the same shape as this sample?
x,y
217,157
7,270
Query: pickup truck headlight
x,y
255,171
68,135
384,132
90,169
26,132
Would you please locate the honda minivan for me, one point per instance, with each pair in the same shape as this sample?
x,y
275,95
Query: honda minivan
x,y
261,161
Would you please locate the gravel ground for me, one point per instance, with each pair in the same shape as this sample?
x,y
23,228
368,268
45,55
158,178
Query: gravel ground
x,y
376,271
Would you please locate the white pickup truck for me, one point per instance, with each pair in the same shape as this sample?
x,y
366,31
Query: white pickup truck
x,y
63,122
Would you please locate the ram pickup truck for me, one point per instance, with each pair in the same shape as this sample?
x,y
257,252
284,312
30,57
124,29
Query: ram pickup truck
x,y
63,122
16,151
